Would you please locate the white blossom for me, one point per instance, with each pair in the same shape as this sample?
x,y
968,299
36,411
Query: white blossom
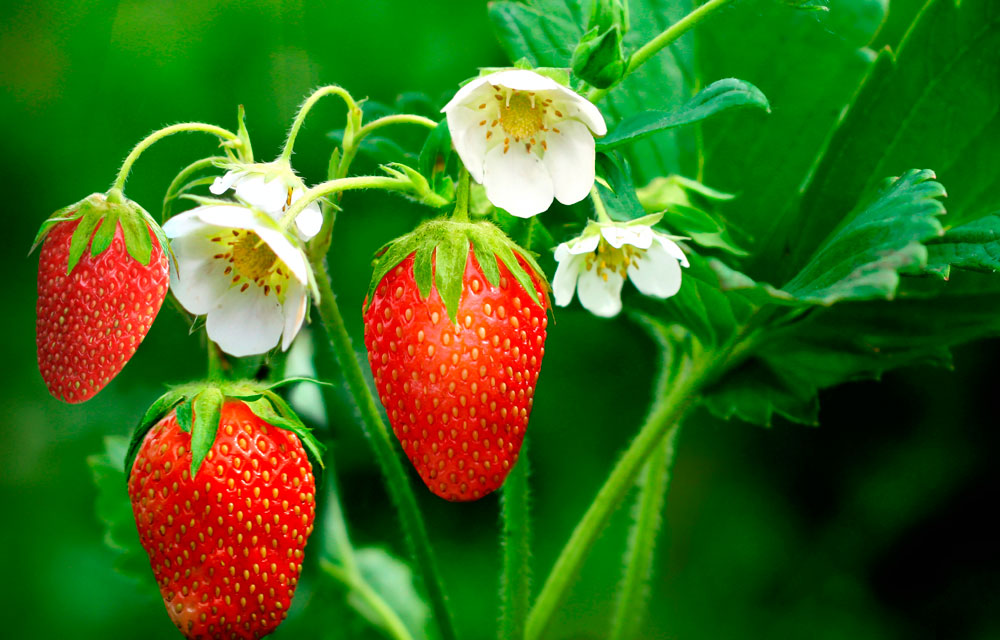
x,y
596,264
526,139
238,268
272,188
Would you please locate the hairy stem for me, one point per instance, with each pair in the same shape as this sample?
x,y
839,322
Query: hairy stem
x,y
178,182
300,117
461,213
225,134
676,392
515,583
660,42
634,590
399,486
331,187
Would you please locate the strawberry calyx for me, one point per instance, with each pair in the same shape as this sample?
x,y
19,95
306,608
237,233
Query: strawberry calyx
x,y
199,408
442,250
99,215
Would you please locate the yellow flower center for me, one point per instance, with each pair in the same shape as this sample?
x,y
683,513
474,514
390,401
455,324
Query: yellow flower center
x,y
252,257
251,262
520,116
607,259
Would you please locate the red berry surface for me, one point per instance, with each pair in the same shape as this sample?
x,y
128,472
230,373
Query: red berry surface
x,y
226,547
458,396
90,322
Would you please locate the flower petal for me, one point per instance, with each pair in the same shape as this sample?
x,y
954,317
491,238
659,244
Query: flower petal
x,y
310,221
618,235
579,108
225,182
286,252
270,196
599,296
583,244
469,139
463,94
245,323
567,273
517,181
232,216
569,157
656,273
198,282
523,80
673,249
183,224
294,311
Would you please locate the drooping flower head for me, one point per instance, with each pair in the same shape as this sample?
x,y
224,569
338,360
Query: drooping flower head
x,y
596,263
526,138
271,187
238,268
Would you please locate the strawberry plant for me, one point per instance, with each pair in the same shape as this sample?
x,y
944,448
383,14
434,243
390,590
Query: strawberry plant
x,y
776,210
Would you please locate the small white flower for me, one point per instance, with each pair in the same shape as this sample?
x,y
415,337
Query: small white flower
x,y
272,188
526,138
238,268
596,263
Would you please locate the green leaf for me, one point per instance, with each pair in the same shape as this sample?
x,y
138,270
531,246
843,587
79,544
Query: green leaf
x,y
864,256
115,513
449,270
762,158
207,413
974,246
153,414
715,98
392,580
934,104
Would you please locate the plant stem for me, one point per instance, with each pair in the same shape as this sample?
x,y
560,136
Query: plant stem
x,y
515,583
461,213
675,394
331,187
391,623
178,182
599,208
395,474
300,117
148,141
396,118
634,589
665,39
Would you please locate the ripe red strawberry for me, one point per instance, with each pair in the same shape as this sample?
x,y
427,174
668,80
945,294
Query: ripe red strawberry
x,y
226,547
458,392
96,300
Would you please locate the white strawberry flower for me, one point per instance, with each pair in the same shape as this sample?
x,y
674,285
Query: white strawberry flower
x,y
272,188
596,263
526,138
238,268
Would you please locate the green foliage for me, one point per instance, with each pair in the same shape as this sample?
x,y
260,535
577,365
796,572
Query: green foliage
x,y
974,245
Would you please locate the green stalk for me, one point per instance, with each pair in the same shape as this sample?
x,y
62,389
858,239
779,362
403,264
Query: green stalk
x,y
634,590
515,583
665,39
391,623
675,394
395,474
300,117
224,134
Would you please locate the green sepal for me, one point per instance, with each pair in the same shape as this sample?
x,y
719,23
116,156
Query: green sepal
x,y
105,233
207,411
185,415
245,152
66,214
441,250
198,407
81,239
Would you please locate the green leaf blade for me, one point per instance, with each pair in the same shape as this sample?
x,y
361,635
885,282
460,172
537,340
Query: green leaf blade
x,y
207,413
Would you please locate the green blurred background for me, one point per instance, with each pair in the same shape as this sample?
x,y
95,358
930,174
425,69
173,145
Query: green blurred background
x,y
875,525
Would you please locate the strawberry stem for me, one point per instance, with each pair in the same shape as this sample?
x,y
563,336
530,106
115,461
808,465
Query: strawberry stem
x,y
395,474
227,136
515,583
300,117
461,213
599,208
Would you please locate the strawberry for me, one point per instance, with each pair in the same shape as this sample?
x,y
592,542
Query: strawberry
x,y
456,364
225,534
102,277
